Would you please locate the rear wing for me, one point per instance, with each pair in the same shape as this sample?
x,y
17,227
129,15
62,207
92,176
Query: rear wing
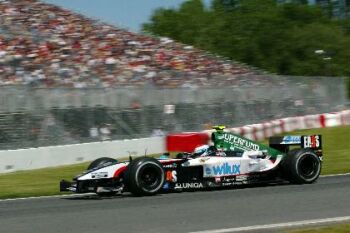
x,y
285,143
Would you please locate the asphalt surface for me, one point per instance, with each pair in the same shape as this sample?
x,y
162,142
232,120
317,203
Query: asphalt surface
x,y
179,212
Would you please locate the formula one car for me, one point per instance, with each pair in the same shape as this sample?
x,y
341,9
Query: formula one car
x,y
231,160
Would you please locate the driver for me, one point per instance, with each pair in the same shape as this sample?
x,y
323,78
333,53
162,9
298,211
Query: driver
x,y
205,150
201,151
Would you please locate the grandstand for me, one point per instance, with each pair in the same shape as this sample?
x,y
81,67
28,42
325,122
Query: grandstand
x,y
43,45
62,75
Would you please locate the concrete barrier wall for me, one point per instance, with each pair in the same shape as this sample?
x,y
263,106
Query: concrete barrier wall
x,y
34,158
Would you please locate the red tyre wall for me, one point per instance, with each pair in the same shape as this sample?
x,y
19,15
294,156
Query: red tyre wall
x,y
185,142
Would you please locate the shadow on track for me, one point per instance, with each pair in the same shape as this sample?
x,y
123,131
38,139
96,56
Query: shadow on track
x,y
93,196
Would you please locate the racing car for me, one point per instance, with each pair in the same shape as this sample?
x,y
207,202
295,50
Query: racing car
x,y
229,160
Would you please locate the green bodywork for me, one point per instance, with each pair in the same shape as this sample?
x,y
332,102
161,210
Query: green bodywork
x,y
228,141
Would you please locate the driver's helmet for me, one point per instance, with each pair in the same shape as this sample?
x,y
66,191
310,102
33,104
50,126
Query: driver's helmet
x,y
201,150
219,128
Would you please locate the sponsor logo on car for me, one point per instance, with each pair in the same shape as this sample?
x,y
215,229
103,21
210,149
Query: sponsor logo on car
x,y
166,186
240,143
312,141
173,165
188,185
171,176
237,180
97,175
223,169
242,178
228,180
213,184
291,140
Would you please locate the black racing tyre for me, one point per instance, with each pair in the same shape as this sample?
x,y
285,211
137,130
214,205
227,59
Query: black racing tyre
x,y
144,176
301,166
100,161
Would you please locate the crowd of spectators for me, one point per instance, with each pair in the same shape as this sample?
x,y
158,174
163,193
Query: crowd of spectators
x,y
43,45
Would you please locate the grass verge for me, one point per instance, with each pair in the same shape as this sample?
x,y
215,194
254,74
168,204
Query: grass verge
x,y
45,181
40,182
339,228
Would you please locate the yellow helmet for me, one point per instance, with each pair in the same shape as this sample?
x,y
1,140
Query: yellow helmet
x,y
219,128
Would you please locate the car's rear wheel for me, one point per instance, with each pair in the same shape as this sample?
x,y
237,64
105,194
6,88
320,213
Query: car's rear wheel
x,y
144,176
100,162
302,166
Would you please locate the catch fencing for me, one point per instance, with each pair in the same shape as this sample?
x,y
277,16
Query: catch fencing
x,y
36,117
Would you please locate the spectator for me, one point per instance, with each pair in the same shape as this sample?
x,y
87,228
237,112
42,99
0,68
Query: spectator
x,y
158,132
94,132
105,132
47,46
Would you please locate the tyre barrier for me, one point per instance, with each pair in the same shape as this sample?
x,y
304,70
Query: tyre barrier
x,y
258,132
186,142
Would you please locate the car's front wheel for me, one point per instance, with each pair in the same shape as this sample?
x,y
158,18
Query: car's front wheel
x,y
144,176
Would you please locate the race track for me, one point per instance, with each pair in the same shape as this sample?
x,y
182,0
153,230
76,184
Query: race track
x,y
179,212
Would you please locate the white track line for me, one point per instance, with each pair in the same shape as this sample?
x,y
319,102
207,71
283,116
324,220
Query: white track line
x,y
45,197
344,174
84,194
278,225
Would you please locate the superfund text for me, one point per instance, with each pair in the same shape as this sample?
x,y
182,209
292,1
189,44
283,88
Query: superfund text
x,y
240,142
